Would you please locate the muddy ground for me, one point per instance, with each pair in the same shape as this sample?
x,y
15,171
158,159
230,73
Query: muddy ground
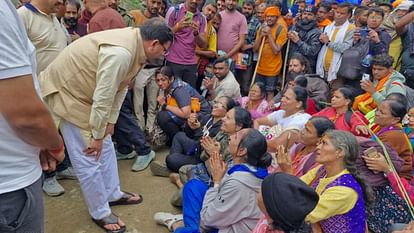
x,y
68,213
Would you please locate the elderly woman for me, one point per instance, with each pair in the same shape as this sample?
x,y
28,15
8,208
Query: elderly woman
x,y
385,81
256,102
290,119
229,205
177,102
301,157
388,207
342,192
388,117
186,148
341,113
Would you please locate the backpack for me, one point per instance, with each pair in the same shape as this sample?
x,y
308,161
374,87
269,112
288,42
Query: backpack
x,y
350,67
410,96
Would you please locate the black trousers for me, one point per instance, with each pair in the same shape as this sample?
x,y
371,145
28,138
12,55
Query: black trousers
x,y
184,151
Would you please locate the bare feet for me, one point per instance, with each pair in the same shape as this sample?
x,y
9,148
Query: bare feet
x,y
175,179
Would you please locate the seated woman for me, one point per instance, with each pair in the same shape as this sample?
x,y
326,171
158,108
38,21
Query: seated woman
x,y
186,147
388,207
341,113
289,120
177,102
301,156
228,206
285,201
385,81
388,117
342,192
256,102
299,81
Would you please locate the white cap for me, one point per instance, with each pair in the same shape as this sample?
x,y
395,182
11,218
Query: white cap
x,y
405,5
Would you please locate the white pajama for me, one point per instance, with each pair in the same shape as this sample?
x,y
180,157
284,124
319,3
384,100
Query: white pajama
x,y
99,180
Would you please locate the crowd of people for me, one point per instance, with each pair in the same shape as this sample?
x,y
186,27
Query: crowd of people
x,y
277,116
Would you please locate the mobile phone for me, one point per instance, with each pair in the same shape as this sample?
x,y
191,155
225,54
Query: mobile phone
x,y
363,32
365,77
189,16
371,152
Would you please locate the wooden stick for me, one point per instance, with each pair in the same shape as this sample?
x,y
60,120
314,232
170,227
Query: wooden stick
x,y
284,65
258,60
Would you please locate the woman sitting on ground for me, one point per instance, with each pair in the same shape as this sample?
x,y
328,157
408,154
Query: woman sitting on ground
x,y
340,112
256,102
388,117
388,207
289,120
385,81
177,101
228,206
301,156
342,192
186,147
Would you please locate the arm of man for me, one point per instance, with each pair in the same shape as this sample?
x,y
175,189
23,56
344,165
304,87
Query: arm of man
x,y
29,119
313,46
401,25
277,43
113,64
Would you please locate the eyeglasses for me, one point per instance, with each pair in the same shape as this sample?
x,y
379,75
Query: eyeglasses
x,y
165,49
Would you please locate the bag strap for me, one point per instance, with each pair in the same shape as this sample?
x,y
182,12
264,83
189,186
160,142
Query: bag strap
x,y
348,116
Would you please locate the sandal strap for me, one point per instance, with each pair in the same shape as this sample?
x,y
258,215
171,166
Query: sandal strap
x,y
176,218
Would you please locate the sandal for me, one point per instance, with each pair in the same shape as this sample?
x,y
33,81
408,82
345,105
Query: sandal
x,y
126,199
167,219
111,219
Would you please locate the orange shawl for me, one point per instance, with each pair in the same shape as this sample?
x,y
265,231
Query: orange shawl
x,y
365,103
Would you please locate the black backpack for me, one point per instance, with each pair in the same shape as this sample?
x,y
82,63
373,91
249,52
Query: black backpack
x,y
351,68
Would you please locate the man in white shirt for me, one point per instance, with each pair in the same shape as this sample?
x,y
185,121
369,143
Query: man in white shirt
x,y
26,128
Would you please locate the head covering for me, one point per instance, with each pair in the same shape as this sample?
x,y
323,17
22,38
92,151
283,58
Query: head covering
x,y
404,5
272,11
311,9
288,200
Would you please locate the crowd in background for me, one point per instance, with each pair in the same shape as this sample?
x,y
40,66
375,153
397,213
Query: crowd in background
x,y
278,116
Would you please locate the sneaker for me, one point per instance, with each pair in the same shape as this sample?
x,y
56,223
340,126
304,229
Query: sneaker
x,y
159,169
68,173
143,161
120,156
52,187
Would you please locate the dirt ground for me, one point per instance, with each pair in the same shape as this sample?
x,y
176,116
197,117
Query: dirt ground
x,y
68,213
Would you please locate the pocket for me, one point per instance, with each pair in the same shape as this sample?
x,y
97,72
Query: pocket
x,y
13,225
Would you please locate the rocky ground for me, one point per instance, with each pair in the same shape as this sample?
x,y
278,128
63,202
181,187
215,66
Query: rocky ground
x,y
68,213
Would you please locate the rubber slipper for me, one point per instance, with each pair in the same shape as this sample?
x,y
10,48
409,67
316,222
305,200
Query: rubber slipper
x,y
111,219
126,199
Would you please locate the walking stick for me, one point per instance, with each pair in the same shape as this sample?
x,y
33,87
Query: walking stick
x,y
258,60
285,64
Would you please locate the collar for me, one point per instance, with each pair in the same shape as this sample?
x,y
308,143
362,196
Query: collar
x,y
34,9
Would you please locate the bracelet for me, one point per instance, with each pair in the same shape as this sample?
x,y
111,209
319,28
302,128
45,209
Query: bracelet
x,y
195,33
216,185
328,43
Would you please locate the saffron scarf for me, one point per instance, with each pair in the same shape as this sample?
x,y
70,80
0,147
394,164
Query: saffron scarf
x,y
365,103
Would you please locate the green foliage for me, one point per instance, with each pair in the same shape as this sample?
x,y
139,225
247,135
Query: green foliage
x,y
132,4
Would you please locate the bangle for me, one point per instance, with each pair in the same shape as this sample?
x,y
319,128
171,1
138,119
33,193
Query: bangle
x,y
387,171
328,43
